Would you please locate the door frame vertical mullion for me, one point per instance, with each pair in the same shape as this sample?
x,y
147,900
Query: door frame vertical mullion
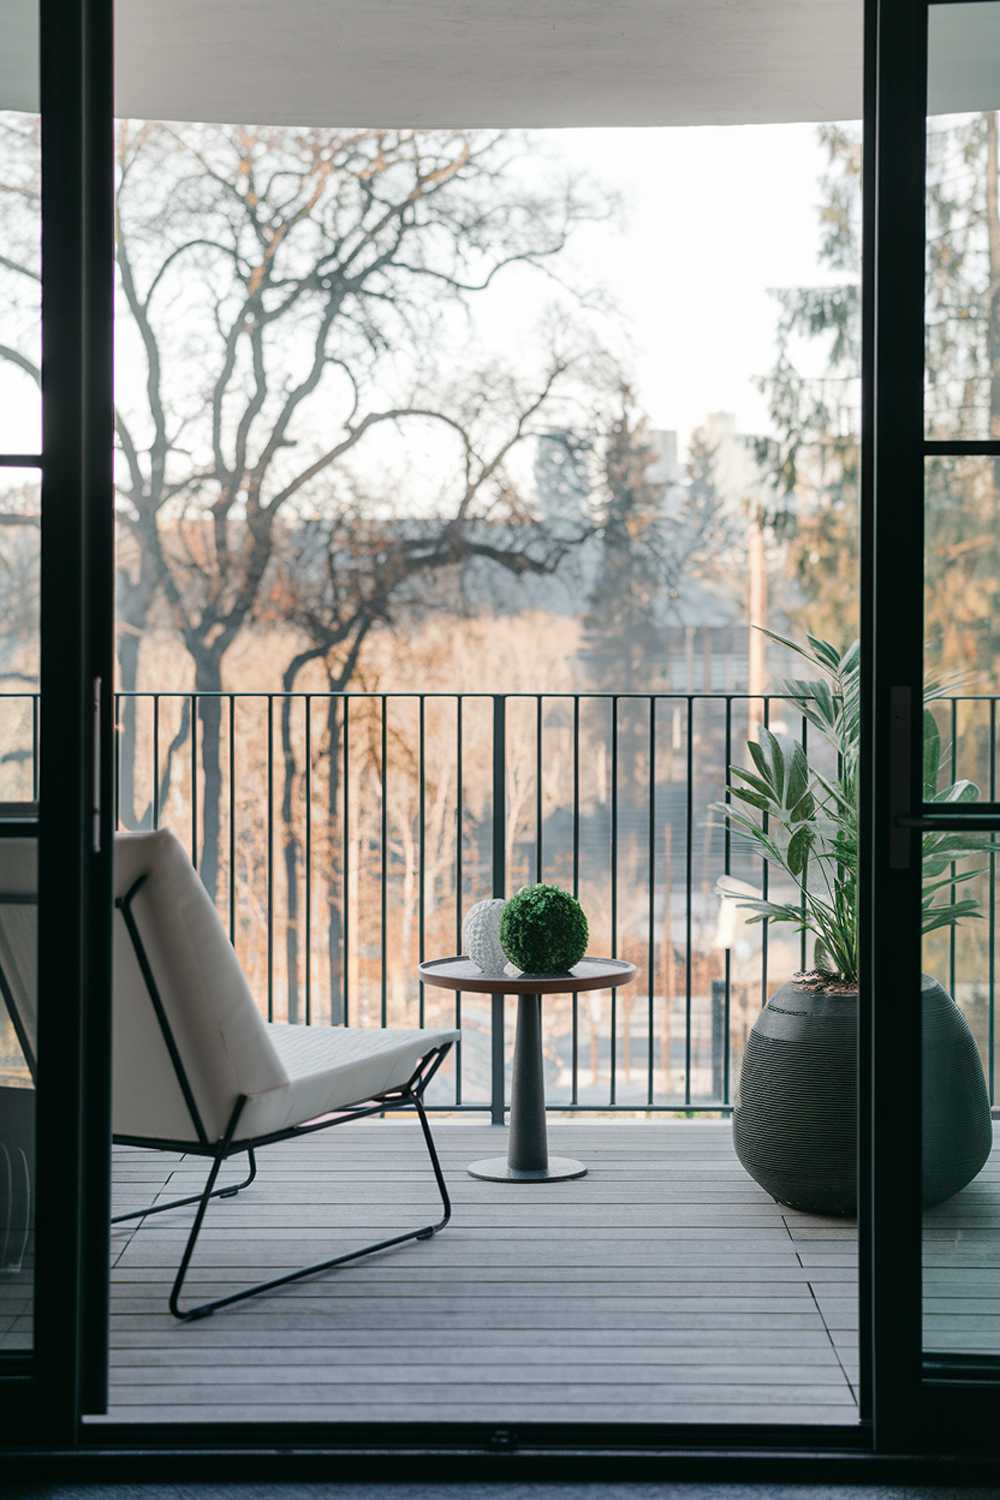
x,y
866,626
63,751
75,851
891,762
97,400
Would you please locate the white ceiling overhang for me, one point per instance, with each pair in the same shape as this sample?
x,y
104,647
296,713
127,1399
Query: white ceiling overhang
x,y
498,62
474,62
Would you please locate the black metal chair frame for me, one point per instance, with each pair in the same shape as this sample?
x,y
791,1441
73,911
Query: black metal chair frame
x,y
407,1096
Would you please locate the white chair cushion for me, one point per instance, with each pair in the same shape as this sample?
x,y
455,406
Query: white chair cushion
x,y
330,1068
220,1034
290,1074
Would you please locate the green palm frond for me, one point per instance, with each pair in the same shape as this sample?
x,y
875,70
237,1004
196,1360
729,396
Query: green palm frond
x,y
812,818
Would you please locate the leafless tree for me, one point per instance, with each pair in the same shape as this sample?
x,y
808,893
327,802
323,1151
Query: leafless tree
x,y
354,566
283,291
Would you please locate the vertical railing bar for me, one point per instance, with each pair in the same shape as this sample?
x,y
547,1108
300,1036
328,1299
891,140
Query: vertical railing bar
x,y
307,709
538,789
727,848
232,818
334,960
952,947
992,916
156,760
345,973
576,795
34,747
384,866
688,872
650,898
765,884
194,780
575,1095
459,831
613,1048
270,856
803,950
499,871
422,844
118,758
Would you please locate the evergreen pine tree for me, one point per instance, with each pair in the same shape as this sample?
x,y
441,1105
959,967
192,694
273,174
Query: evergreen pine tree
x,y
624,643
814,459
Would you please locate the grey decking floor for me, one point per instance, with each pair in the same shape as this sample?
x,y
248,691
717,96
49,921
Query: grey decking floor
x,y
663,1286
961,1266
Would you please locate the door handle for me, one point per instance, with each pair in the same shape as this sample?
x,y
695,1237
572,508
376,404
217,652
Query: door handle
x,y
981,818
96,750
900,811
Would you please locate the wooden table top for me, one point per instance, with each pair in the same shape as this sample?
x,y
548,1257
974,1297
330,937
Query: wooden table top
x,y
458,973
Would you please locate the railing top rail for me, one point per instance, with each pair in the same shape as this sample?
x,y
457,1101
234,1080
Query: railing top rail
x,y
453,693
531,695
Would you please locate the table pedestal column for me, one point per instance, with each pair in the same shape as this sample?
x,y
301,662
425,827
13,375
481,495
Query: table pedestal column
x,y
527,1158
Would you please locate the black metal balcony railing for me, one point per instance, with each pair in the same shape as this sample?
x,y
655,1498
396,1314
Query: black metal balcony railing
x,y
344,836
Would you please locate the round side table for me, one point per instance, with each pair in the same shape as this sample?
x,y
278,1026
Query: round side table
x,y
527,1158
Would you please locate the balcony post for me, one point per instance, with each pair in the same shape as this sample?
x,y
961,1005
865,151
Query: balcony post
x,y
499,863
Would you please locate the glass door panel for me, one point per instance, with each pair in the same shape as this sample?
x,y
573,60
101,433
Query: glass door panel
x,y
20,643
962,576
20,501
56,260
960,830
18,1054
962,319
20,261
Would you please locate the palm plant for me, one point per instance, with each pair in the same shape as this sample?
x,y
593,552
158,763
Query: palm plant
x,y
808,821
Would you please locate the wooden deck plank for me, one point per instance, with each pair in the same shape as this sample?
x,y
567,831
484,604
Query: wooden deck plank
x,y
492,1410
664,1286
665,1274
631,1359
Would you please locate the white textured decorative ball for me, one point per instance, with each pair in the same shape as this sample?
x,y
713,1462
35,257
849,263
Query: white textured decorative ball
x,y
481,935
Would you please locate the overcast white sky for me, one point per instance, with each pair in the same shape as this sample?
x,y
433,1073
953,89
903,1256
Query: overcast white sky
x,y
719,217
714,218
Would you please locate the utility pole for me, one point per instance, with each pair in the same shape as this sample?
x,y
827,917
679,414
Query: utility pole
x,y
757,615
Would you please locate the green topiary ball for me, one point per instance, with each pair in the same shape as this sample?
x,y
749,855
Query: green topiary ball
x,y
543,930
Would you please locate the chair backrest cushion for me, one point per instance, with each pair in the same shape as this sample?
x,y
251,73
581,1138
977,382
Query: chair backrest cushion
x,y
220,1035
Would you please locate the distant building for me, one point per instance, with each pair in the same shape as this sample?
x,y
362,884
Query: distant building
x,y
738,475
668,468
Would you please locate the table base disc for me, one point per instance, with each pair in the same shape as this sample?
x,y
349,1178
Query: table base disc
x,y
559,1169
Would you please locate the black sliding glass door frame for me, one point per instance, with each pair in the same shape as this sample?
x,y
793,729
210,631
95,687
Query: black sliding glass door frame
x,y
906,1408
67,1377
916,1404
43,1393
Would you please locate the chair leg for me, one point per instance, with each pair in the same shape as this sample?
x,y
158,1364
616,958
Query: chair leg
x,y
432,1229
205,1309
224,1192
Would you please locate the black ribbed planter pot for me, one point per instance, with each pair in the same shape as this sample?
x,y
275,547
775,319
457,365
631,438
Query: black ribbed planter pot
x,y
794,1118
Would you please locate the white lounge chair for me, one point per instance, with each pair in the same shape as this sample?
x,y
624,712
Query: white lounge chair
x,y
195,1066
